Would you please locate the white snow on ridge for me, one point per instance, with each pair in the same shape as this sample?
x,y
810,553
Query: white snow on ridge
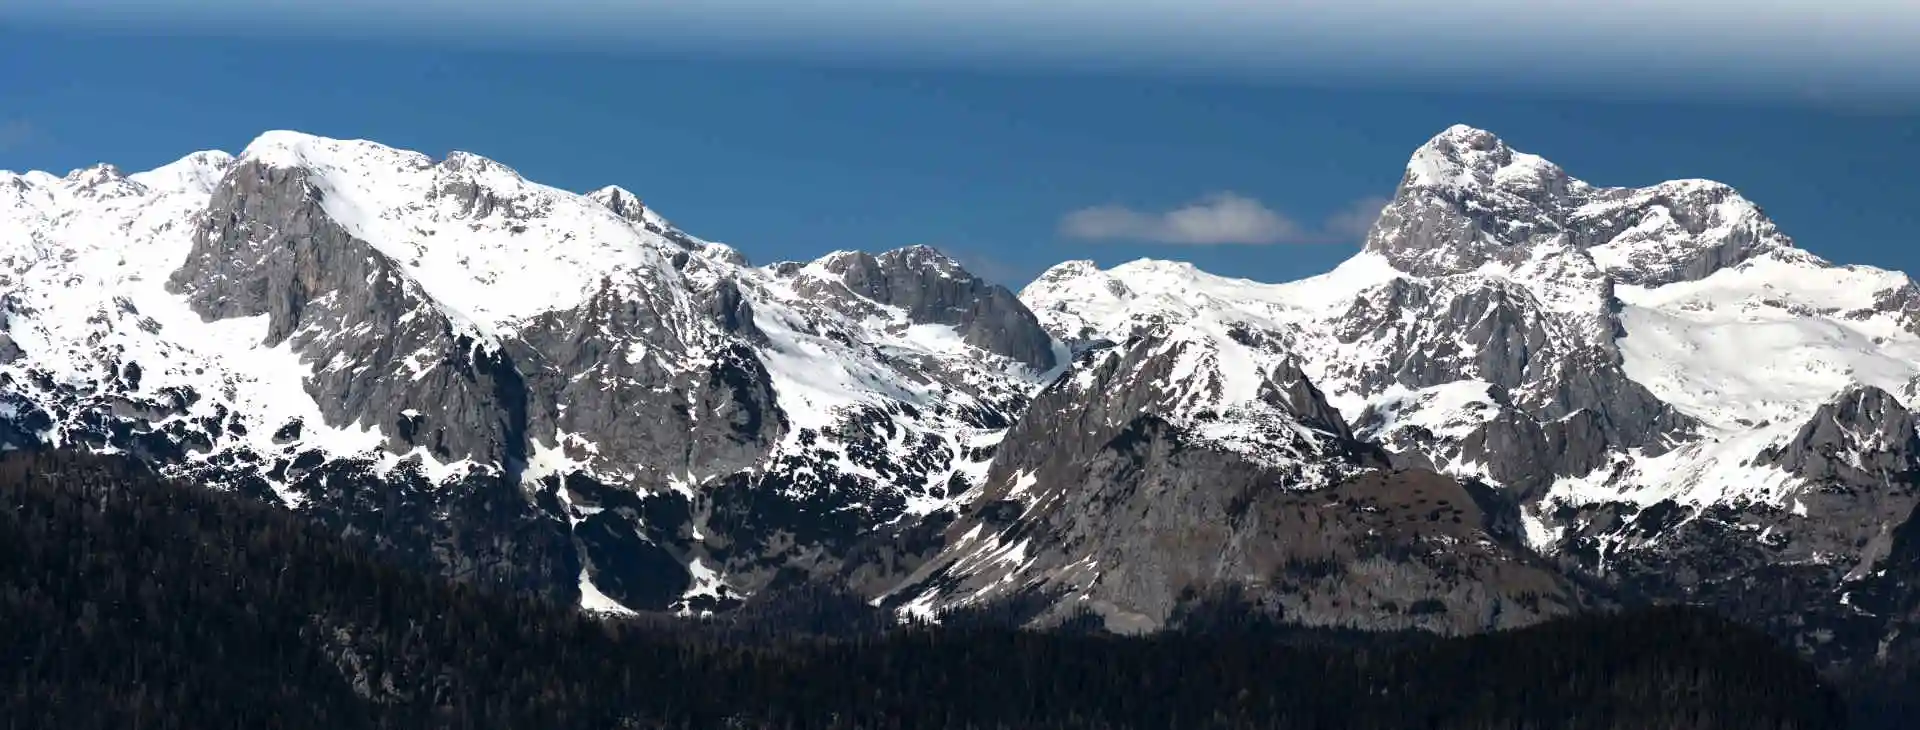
x,y
1451,411
1751,351
87,278
547,246
1765,342
485,246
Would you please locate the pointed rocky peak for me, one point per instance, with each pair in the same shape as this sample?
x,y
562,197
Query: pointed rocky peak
x,y
1464,159
290,149
1458,156
1075,300
622,202
860,268
1863,436
1469,200
1066,270
198,173
932,288
924,258
102,181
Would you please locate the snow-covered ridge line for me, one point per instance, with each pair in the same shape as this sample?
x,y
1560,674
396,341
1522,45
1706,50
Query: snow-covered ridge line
x,y
467,227
494,326
1707,305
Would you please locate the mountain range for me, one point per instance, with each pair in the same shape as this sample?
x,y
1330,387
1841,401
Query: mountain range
x,y
1525,396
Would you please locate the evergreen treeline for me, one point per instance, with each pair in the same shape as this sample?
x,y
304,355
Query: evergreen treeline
x,y
130,602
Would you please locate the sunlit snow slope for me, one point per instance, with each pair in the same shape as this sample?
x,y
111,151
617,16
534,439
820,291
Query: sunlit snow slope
x,y
248,319
1494,279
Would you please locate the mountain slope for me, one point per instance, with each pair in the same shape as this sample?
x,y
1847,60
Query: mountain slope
x,y
1681,403
136,602
383,340
1525,396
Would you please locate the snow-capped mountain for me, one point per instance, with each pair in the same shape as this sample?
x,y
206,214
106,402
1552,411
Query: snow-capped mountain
x,y
1674,397
1525,395
497,375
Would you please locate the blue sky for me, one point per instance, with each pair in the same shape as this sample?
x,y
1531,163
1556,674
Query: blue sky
x,y
796,155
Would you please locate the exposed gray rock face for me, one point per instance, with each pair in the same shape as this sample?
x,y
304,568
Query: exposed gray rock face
x,y
934,289
1469,200
622,203
383,354
674,345
674,430
508,383
1716,227
1430,333
1105,496
1859,456
1817,569
1863,437
1512,324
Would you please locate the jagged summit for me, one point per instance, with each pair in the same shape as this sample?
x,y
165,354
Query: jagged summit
x,y
619,200
196,173
569,394
1469,200
1068,269
927,287
316,313
1463,158
1496,290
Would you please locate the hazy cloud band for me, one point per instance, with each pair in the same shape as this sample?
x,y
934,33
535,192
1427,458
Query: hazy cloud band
x,y
1803,49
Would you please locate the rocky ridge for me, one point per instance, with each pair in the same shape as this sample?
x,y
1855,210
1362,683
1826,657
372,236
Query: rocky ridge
x,y
1524,396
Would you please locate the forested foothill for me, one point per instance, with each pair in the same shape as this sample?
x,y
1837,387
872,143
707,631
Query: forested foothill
x,y
129,601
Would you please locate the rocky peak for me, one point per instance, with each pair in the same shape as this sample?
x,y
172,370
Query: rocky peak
x,y
1864,436
1463,158
922,257
102,181
1468,200
1067,270
473,164
198,173
622,202
480,187
934,289
1681,230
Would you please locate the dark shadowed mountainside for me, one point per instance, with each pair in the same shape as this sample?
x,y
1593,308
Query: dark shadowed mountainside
x,y
131,601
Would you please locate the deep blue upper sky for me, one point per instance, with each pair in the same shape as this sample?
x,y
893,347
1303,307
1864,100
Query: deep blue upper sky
x,y
791,161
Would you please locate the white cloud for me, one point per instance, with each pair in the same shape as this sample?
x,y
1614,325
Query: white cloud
x,y
1221,218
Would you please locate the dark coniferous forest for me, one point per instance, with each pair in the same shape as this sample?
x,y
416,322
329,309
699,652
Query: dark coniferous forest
x,y
131,602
